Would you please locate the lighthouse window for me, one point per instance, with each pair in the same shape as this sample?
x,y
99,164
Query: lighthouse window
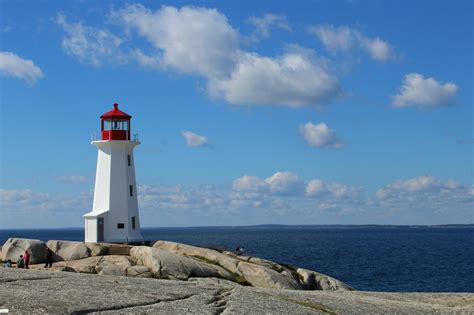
x,y
120,225
129,160
107,125
116,125
131,190
133,223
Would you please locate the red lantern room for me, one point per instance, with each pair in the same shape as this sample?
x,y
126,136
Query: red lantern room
x,y
115,125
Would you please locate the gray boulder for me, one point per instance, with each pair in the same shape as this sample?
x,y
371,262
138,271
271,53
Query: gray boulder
x,y
68,250
264,277
86,265
267,263
255,271
14,247
102,265
163,263
226,261
96,249
139,271
317,281
113,265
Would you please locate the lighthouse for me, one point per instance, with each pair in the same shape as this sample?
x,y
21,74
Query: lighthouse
x,y
114,216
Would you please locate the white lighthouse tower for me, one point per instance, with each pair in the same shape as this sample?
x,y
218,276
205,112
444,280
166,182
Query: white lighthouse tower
x,y
114,216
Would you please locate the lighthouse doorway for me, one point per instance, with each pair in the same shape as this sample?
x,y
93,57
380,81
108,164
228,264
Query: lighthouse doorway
x,y
100,229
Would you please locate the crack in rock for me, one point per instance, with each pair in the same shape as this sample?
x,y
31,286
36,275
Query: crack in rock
x,y
25,279
123,307
219,300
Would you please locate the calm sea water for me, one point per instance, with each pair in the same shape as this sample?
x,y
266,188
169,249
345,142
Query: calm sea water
x,y
375,259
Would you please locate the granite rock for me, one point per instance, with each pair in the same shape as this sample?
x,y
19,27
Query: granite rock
x,y
102,265
263,277
173,260
97,249
38,291
113,265
167,264
68,250
317,281
228,262
255,271
14,247
139,271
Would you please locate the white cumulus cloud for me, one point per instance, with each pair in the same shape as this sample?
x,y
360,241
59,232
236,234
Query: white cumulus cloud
x,y
423,93
378,49
249,183
15,66
283,197
263,24
25,208
294,79
344,38
88,44
194,140
425,198
201,41
319,189
420,184
340,38
320,136
285,183
190,39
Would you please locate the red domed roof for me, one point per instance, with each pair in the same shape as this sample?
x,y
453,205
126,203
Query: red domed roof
x,y
116,113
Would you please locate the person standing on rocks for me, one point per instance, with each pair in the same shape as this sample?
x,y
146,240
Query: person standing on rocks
x,y
48,257
20,263
26,259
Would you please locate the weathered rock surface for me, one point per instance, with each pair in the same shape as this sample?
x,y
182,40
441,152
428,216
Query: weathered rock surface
x,y
96,249
34,291
163,263
103,265
256,271
263,277
317,281
175,261
228,262
68,250
114,265
14,247
139,271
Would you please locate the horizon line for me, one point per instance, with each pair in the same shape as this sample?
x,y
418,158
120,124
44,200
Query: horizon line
x,y
269,225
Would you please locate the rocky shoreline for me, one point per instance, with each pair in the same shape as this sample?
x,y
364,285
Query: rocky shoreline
x,y
169,260
175,278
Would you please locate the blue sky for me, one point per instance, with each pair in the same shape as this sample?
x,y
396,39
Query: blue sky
x,y
301,112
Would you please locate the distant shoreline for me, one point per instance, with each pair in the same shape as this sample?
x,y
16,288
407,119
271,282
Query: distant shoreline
x,y
263,226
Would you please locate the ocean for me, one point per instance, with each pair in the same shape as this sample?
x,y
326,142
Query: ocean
x,y
397,259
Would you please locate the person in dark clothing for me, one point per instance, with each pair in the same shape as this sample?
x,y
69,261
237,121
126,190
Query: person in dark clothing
x,y
20,263
48,257
239,250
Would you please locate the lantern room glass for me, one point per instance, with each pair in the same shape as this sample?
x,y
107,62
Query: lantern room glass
x,y
114,124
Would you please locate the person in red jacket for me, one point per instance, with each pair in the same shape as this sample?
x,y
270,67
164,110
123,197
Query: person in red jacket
x,y
26,259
